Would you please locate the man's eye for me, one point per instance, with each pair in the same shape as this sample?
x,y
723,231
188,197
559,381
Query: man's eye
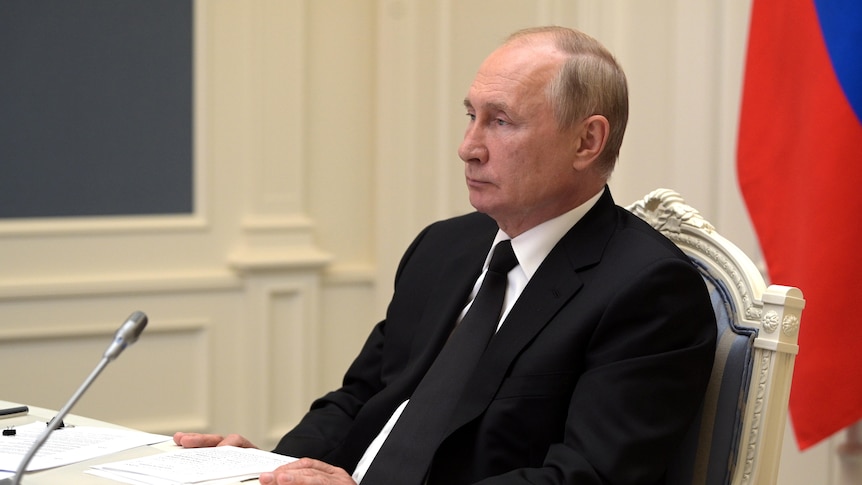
x,y
501,122
472,116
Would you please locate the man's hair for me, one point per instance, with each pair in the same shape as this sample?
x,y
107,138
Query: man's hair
x,y
590,82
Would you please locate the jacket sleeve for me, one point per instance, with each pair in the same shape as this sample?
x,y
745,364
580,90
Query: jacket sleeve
x,y
325,426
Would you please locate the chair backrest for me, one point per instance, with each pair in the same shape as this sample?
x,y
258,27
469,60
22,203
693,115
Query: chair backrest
x,y
738,437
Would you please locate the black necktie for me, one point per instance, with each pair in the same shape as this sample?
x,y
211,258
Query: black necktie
x,y
407,452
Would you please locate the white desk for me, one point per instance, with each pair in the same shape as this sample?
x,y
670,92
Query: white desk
x,y
74,474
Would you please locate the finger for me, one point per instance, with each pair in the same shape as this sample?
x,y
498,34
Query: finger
x,y
304,463
236,440
197,440
307,471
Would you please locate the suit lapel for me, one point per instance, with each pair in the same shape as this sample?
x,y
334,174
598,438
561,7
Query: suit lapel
x,y
555,283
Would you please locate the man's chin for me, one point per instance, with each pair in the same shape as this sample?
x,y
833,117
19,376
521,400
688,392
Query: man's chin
x,y
477,202
482,206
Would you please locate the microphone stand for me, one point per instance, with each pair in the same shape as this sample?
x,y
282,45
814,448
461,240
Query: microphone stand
x,y
126,335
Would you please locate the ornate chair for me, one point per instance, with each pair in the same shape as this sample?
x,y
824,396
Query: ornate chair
x,y
738,436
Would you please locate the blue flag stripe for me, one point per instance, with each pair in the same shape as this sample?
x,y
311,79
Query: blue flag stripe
x,y
841,24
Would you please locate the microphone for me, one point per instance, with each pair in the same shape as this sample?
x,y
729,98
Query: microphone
x,y
126,335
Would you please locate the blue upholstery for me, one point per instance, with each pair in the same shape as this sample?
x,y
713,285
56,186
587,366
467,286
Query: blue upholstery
x,y
708,453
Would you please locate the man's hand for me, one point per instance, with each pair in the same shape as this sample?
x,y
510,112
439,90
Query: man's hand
x,y
306,471
198,440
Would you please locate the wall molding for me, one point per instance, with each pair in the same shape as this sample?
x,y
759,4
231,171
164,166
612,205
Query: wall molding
x,y
33,333
76,226
274,259
121,284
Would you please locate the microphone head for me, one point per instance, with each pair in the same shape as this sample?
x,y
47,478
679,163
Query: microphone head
x,y
127,334
137,321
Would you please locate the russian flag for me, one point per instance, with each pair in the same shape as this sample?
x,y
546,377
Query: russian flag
x,y
799,163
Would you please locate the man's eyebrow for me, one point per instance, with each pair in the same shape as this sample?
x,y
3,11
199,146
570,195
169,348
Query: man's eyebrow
x,y
493,106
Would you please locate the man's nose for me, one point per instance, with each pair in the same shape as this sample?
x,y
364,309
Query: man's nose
x,y
473,147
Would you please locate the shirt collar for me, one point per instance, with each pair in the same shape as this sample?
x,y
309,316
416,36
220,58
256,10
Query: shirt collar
x,y
532,246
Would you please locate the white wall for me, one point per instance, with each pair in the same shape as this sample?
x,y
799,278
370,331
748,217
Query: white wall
x,y
326,135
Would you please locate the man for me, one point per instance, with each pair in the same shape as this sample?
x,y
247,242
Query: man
x,y
606,339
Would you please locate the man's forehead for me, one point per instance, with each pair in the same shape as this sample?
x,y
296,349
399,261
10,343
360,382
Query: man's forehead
x,y
520,55
503,91
511,67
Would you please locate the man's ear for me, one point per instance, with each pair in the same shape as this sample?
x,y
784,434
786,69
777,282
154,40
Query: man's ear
x,y
592,138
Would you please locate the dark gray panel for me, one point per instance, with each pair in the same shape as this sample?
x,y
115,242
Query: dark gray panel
x,y
95,107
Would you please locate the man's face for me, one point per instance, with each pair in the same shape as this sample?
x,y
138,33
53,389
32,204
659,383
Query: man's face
x,y
518,163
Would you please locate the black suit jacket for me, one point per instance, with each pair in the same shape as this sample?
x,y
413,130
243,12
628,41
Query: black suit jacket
x,y
592,379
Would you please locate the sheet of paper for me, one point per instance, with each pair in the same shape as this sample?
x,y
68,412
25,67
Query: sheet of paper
x,y
68,445
199,466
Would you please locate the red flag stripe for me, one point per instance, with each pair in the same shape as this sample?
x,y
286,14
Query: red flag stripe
x,y
800,168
